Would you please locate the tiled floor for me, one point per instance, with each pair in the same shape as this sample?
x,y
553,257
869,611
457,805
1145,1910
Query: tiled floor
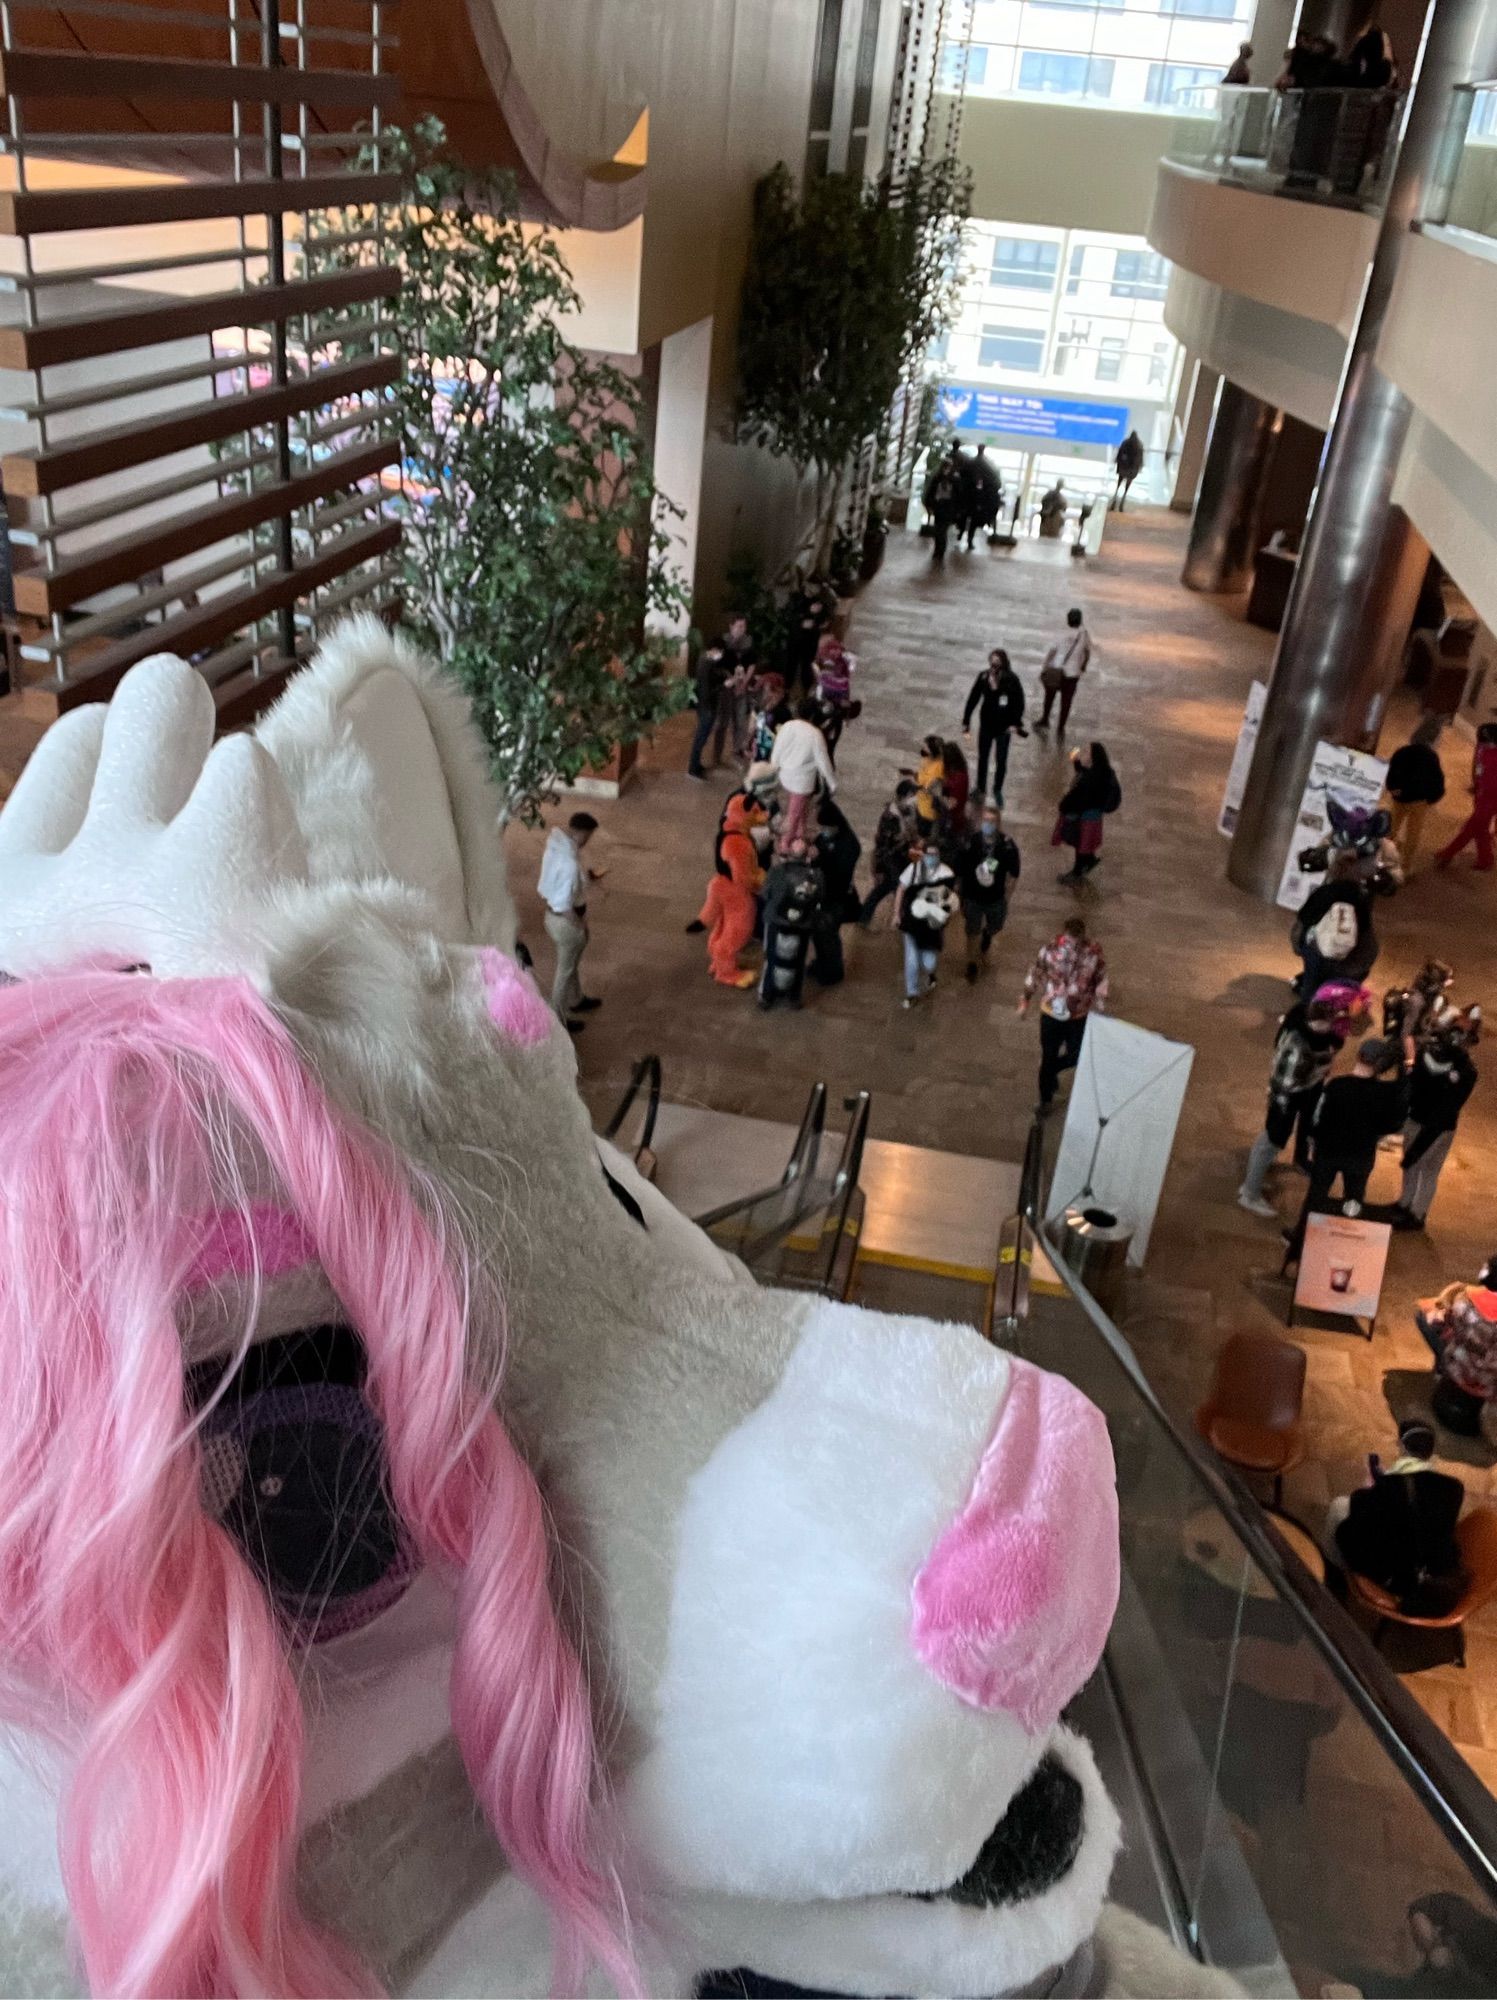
x,y
1189,956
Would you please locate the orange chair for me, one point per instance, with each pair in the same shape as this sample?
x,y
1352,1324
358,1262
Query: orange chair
x,y
1476,1538
1251,1415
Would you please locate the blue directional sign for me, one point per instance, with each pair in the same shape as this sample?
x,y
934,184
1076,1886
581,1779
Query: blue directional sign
x,y
1046,419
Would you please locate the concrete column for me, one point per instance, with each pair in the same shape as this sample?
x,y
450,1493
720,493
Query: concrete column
x,y
1224,532
1202,392
1331,673
1272,32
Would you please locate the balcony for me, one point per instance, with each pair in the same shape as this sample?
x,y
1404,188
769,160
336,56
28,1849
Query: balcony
x,y
1334,147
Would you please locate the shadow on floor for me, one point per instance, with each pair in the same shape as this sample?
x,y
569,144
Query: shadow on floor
x,y
1263,990
1407,1391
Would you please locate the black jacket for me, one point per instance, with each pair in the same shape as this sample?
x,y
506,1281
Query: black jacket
x,y
1092,790
838,850
1320,900
1354,1113
1416,775
1399,1533
1437,1096
1000,707
973,852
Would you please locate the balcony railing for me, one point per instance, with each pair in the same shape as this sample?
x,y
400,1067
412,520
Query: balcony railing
x,y
1330,146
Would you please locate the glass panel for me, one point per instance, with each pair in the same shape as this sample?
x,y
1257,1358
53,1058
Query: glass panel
x,y
1027,263
1017,347
1303,1856
1335,146
1472,178
1139,51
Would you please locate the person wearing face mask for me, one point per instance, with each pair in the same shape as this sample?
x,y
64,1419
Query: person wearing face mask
x,y
987,866
1442,1078
997,699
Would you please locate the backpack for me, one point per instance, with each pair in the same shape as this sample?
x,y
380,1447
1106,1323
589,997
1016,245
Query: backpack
x,y
1336,933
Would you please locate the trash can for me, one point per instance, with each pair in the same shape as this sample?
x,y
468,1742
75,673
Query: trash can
x,y
1093,1242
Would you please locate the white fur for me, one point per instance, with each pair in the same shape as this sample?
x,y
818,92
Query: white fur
x,y
790,1661
367,813
128,840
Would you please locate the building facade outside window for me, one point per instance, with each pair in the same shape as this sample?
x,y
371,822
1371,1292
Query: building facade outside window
x,y
1077,311
1149,53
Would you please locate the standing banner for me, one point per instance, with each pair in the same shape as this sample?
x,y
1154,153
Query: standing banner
x,y
1341,1267
1242,757
1356,778
1120,1125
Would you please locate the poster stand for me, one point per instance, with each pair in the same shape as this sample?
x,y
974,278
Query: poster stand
x,y
1341,1266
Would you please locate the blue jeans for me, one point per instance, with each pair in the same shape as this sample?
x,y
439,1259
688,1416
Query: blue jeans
x,y
917,959
706,717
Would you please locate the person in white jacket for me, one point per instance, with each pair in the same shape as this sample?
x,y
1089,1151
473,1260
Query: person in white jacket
x,y
800,759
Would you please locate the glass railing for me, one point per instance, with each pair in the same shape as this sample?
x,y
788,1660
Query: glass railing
x,y
1466,187
1312,1830
1333,146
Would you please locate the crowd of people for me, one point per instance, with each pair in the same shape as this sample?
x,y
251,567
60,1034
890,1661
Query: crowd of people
x,y
789,875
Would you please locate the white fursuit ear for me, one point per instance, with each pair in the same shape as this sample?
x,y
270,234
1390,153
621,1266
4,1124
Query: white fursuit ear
x,y
389,777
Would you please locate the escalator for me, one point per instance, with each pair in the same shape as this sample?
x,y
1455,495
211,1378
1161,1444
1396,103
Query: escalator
x,y
800,1231
1291,1814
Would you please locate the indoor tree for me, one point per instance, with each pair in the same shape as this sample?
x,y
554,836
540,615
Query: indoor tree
x,y
536,546
847,286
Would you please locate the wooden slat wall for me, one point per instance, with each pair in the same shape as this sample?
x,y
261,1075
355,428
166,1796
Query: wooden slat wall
x,y
222,450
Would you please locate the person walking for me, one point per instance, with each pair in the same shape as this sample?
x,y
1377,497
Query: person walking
x,y
956,789
730,906
1053,509
1070,976
1478,827
833,672
838,851
712,670
801,762
1309,1040
1065,663
1416,781
1128,464
563,889
987,867
997,700
1093,792
1354,1112
810,612
1442,1079
986,496
792,909
928,898
944,498
930,793
1333,931
893,837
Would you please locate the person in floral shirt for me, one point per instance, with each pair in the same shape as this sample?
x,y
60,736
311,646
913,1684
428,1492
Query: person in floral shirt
x,y
1070,977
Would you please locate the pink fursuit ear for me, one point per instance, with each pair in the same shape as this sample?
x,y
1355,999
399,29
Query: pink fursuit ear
x,y
515,1007
129,1620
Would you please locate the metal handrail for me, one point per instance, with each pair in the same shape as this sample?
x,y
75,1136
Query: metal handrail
x,y
798,1167
648,1067
845,1181
1435,1771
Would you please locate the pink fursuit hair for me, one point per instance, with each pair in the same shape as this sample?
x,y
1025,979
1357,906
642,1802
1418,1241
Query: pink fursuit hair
x,y
133,1630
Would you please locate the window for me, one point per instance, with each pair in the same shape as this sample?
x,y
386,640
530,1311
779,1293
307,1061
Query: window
x,y
1021,348
1170,83
1139,274
1159,363
949,75
1110,358
1066,76
824,75
1025,264
1203,10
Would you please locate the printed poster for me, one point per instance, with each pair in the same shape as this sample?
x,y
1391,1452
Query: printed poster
x,y
1242,757
1341,1266
1356,779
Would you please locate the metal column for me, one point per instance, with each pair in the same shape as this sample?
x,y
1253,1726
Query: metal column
x,y
1330,674
1224,528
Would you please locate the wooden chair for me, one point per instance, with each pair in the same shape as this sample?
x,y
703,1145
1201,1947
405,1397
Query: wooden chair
x,y
1251,1414
1476,1538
